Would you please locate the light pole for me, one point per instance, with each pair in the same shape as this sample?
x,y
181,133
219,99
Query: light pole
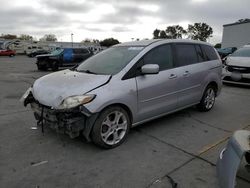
x,y
72,39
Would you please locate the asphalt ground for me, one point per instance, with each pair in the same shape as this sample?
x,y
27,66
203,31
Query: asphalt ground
x,y
181,148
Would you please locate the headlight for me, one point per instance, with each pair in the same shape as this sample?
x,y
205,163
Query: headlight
x,y
25,95
74,101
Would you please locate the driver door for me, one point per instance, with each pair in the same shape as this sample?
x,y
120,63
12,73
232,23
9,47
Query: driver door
x,y
157,92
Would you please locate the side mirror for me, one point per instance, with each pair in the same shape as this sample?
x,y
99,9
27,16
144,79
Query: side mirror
x,y
150,69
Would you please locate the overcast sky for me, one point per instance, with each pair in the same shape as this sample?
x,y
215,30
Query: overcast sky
x,y
121,19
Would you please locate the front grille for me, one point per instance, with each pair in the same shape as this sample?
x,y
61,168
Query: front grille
x,y
56,115
242,80
243,70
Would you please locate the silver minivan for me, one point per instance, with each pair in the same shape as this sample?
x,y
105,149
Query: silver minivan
x,y
126,85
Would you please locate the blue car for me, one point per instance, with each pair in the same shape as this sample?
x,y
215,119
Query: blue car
x,y
223,52
66,57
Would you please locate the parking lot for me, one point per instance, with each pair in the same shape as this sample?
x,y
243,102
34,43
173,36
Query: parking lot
x,y
180,148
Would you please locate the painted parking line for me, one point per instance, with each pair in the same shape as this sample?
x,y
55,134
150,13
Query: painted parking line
x,y
211,146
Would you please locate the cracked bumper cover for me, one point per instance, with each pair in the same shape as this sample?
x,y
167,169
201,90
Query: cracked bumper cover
x,y
69,121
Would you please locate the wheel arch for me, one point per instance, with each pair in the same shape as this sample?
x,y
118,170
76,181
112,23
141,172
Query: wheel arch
x,y
90,124
214,85
124,106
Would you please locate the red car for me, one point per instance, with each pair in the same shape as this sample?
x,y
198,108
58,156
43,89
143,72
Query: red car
x,y
6,52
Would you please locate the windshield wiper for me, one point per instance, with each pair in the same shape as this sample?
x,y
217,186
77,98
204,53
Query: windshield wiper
x,y
87,71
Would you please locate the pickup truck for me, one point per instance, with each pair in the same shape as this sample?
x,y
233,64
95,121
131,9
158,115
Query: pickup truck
x,y
66,57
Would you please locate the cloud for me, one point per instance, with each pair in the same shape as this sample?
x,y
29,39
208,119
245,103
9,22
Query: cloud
x,y
122,19
69,6
121,29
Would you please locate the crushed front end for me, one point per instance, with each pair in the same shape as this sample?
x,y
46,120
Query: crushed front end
x,y
73,121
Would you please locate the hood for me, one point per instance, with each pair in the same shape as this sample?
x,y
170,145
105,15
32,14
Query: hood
x,y
52,89
238,61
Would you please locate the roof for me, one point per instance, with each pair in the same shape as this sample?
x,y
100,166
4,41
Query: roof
x,y
144,43
238,23
139,43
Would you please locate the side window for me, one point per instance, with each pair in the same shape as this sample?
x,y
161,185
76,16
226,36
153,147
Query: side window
x,y
199,53
84,51
161,55
209,52
76,51
80,51
185,54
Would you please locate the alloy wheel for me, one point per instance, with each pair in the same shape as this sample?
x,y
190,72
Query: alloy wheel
x,y
210,98
114,128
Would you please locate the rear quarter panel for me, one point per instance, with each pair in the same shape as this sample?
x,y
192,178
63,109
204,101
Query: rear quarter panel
x,y
214,74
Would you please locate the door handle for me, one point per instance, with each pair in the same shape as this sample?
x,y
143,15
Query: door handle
x,y
172,76
186,73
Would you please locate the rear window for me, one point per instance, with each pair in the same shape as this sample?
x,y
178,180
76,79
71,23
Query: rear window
x,y
186,54
199,53
209,53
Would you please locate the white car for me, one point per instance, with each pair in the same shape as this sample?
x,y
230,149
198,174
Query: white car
x,y
237,67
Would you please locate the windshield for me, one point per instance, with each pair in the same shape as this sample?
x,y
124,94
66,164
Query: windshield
x,y
110,61
243,52
57,52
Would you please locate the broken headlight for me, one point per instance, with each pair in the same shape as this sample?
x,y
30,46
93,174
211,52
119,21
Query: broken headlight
x,y
74,101
25,95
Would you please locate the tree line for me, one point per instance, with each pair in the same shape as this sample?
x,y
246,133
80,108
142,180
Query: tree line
x,y
47,37
52,38
197,31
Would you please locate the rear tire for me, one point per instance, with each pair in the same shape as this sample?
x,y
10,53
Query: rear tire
x,y
54,66
208,99
111,127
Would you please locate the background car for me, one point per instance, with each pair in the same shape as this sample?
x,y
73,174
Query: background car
x,y
237,67
7,52
223,52
37,52
67,57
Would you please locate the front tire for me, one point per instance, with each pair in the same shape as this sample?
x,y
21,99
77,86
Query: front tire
x,y
42,67
208,99
111,127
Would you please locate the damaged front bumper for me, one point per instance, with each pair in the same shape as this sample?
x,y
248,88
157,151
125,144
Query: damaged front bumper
x,y
230,158
73,122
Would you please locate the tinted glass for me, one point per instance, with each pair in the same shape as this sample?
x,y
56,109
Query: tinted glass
x,y
199,53
186,54
110,61
80,51
161,55
84,51
76,51
243,52
209,53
